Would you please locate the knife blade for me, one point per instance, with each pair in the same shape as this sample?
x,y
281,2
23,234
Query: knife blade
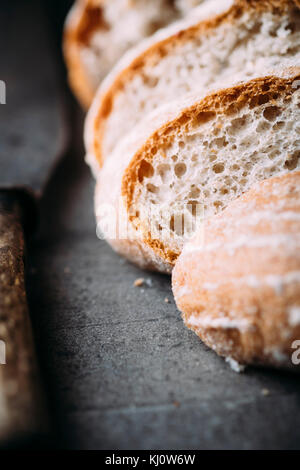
x,y
33,136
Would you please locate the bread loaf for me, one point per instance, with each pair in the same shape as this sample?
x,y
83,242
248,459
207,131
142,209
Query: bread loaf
x,y
224,40
202,153
98,32
238,282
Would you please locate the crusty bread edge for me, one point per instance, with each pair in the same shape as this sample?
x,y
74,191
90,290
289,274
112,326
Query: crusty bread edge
x,y
77,73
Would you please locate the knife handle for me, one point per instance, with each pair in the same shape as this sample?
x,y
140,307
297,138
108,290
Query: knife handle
x,y
22,415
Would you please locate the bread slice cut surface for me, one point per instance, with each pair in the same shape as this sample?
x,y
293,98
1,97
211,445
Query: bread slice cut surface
x,y
225,40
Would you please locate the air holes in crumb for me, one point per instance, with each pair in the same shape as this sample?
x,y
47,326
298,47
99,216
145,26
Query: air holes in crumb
x,y
271,113
218,168
292,162
259,100
152,188
279,125
263,126
218,204
273,155
224,190
237,124
263,99
204,117
195,192
220,142
174,158
151,82
235,167
180,169
145,170
163,171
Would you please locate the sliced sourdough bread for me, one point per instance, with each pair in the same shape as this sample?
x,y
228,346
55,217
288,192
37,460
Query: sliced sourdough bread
x,y
197,155
98,32
237,283
224,39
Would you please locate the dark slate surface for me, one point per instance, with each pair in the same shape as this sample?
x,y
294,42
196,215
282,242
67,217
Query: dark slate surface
x,y
121,370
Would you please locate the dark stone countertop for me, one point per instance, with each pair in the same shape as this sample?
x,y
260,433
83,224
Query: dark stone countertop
x,y
121,370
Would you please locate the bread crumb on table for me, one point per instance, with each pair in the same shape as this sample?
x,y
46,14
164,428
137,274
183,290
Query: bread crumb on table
x,y
265,392
167,300
139,282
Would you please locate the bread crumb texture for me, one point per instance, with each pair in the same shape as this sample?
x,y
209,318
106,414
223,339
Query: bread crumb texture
x,y
99,32
211,154
241,42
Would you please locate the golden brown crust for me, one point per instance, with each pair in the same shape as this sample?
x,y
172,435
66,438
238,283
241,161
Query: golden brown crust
x,y
240,290
131,246
228,101
85,17
160,48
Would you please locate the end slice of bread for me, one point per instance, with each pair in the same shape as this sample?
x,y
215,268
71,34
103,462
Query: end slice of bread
x,y
99,32
225,40
237,283
190,160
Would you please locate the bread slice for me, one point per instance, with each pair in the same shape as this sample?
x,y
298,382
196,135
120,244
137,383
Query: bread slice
x,y
98,32
194,156
225,39
238,282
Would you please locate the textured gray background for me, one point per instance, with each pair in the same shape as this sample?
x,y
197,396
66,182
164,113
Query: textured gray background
x,y
32,125
121,370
